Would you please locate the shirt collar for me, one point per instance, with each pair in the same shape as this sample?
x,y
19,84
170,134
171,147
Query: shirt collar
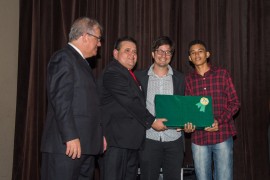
x,y
151,71
76,49
212,70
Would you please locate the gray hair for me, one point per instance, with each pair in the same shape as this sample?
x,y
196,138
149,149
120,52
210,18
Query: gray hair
x,y
83,25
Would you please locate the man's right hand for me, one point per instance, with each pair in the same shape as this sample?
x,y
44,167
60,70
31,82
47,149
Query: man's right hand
x,y
189,127
158,125
73,148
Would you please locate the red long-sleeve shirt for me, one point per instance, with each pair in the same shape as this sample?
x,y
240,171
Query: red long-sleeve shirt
x,y
216,83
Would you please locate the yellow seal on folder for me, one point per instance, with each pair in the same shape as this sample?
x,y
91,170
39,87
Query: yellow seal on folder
x,y
204,101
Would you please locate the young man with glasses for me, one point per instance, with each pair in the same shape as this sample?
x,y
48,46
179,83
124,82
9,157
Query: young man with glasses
x,y
162,149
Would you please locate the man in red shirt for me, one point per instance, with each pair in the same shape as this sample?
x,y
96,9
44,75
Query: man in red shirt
x,y
216,142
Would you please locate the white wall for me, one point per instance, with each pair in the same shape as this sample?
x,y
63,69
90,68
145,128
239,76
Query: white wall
x,y
9,35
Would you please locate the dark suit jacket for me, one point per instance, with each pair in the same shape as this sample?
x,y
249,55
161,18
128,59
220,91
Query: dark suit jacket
x,y
124,114
178,81
73,104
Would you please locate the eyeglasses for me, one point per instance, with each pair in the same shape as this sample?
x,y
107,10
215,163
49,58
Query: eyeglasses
x,y
166,53
98,38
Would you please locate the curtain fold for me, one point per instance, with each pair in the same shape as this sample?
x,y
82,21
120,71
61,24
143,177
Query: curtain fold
x,y
237,33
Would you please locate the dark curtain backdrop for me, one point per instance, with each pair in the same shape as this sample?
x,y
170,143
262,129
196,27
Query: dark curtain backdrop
x,y
236,31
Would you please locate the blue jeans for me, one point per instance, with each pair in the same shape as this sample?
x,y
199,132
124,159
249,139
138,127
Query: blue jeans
x,y
222,154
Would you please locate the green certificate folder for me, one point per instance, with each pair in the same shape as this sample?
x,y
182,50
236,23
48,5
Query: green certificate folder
x,y
179,110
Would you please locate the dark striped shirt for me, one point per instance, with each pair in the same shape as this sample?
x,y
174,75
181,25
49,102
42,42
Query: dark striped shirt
x,y
216,83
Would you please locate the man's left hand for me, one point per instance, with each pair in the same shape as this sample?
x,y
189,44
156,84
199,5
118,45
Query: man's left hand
x,y
213,128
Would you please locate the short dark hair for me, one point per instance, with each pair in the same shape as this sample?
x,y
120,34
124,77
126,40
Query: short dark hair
x,y
118,42
162,40
196,41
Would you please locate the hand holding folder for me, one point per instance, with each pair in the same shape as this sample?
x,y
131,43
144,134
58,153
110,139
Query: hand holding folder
x,y
179,110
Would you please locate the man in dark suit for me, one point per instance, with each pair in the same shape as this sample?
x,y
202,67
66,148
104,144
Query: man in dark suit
x,y
125,117
163,149
72,135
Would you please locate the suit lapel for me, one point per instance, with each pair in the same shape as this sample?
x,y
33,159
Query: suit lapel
x,y
82,63
176,80
133,83
144,83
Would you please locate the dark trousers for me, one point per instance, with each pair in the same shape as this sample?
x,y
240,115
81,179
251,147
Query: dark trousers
x,y
166,155
120,164
60,166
